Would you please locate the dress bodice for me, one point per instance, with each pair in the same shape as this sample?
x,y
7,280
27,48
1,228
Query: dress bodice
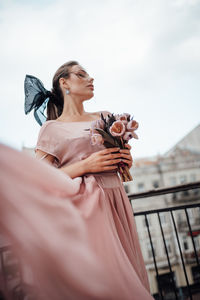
x,y
67,141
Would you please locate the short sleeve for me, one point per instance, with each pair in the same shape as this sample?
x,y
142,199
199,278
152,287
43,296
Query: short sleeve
x,y
48,141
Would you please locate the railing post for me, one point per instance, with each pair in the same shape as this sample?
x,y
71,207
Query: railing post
x,y
154,257
168,260
185,289
190,230
181,254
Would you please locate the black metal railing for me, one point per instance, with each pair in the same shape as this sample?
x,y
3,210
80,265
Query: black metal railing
x,y
184,262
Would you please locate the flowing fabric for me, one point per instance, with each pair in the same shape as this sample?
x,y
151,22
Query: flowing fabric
x,y
78,234
47,232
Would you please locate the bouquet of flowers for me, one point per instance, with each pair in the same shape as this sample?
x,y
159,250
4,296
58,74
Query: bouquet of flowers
x,y
115,131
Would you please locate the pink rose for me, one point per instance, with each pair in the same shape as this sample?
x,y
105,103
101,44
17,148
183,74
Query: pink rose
x,y
129,135
117,128
132,125
96,139
122,118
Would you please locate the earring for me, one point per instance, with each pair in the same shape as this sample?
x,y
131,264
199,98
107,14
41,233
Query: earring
x,y
67,92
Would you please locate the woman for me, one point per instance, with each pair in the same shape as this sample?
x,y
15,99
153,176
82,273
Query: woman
x,y
97,193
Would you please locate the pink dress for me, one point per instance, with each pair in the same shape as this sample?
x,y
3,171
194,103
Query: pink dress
x,y
78,234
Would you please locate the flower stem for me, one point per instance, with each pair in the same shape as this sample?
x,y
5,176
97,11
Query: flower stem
x,y
122,143
125,174
130,178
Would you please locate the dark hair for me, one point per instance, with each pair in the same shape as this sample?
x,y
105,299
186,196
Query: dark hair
x,y
56,100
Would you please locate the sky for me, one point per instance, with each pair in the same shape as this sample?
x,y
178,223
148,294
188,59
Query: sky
x,y
144,56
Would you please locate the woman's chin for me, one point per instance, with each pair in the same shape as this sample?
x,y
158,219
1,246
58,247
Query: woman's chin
x,y
89,96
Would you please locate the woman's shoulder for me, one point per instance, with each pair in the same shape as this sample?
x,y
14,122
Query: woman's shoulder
x,y
46,124
48,127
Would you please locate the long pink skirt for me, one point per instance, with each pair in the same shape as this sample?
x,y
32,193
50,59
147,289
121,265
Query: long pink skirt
x,y
39,215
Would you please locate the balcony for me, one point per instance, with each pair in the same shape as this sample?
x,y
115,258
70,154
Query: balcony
x,y
186,195
175,272
190,257
195,226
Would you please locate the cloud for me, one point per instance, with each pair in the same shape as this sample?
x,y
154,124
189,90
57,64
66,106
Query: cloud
x,y
189,50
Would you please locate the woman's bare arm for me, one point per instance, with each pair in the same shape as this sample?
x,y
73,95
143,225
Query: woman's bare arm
x,y
73,170
100,161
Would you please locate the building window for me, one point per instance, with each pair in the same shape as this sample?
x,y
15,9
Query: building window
x,y
155,184
183,179
180,217
174,196
149,250
196,192
127,189
141,187
193,178
196,274
164,281
163,218
185,243
168,245
172,181
185,193
191,215
197,243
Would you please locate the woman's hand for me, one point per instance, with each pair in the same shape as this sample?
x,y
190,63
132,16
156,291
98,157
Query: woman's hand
x,y
102,160
126,155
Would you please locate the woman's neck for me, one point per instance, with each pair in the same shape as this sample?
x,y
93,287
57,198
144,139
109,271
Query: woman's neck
x,y
73,110
73,107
